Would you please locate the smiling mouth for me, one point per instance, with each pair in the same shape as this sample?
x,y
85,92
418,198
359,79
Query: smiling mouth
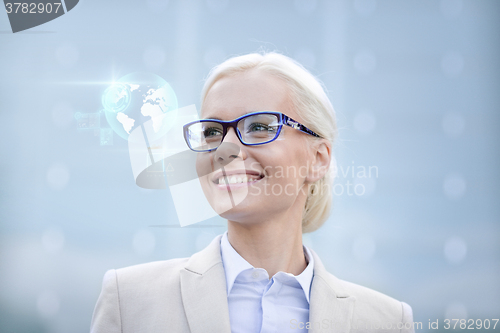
x,y
238,179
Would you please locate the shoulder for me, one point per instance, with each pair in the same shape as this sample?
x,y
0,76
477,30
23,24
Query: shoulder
x,y
149,272
146,291
371,300
375,310
151,292
148,278
369,309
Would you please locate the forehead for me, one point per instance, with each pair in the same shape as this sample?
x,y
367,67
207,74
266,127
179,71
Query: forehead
x,y
241,93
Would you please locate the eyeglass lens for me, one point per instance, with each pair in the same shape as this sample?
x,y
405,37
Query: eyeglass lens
x,y
260,128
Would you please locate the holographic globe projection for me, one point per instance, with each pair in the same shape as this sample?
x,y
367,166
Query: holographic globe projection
x,y
137,98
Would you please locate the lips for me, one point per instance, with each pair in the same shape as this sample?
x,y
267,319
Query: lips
x,y
236,177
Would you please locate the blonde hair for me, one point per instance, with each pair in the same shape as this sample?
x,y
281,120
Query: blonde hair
x,y
310,102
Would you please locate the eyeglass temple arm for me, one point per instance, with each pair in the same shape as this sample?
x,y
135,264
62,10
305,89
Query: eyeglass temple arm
x,y
295,124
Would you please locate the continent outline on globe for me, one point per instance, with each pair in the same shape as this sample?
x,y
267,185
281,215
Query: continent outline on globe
x,y
137,98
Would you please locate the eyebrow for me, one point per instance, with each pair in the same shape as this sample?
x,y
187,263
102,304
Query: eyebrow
x,y
211,118
217,118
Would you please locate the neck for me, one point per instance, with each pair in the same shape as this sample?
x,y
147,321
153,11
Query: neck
x,y
274,245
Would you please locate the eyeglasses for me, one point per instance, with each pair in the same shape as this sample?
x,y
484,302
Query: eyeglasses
x,y
252,129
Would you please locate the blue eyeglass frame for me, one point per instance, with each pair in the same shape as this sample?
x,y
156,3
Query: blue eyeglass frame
x,y
283,120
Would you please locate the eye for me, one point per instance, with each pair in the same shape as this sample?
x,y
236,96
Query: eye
x,y
259,127
211,132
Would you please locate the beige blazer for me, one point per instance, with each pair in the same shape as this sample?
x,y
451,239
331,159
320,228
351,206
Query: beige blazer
x,y
189,295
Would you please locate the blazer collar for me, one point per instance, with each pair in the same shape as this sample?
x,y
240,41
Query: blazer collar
x,y
204,295
203,289
331,306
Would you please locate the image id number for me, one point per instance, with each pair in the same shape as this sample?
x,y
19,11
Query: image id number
x,y
470,324
32,8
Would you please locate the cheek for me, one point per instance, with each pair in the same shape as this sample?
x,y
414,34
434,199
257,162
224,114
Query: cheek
x,y
286,179
204,164
290,166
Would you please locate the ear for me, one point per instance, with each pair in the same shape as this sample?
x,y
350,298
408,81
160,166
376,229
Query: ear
x,y
322,155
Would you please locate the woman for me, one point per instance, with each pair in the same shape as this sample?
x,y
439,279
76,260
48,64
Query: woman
x,y
266,135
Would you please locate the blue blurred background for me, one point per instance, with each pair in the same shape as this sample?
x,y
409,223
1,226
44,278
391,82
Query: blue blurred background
x,y
415,85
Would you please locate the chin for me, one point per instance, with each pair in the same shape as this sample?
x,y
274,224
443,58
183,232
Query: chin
x,y
223,206
246,209
241,217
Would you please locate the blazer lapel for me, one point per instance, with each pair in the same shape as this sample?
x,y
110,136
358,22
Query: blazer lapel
x,y
204,295
330,308
203,289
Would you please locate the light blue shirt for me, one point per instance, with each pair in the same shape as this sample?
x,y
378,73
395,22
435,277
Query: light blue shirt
x,y
259,304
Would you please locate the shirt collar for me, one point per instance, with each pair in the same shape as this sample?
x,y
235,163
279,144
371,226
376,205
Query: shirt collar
x,y
234,264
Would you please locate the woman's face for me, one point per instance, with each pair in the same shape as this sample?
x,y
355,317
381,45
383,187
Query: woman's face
x,y
276,172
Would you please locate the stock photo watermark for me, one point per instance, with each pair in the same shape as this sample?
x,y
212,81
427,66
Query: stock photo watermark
x,y
446,324
351,180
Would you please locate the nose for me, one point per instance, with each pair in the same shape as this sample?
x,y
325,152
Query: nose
x,y
225,154
228,150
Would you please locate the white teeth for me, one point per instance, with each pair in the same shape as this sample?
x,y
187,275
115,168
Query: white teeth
x,y
237,179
